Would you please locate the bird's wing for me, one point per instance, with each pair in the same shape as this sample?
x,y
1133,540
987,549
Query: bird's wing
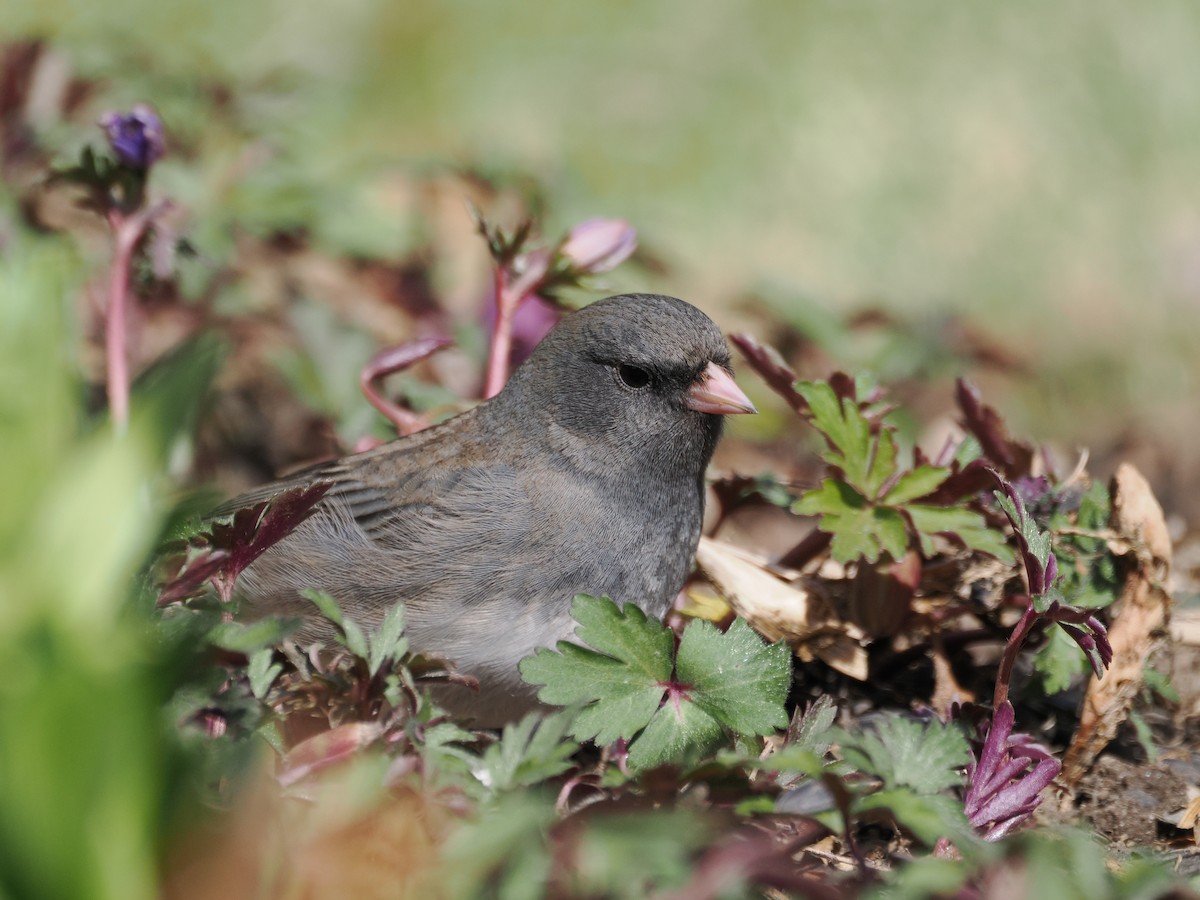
x,y
361,500
321,472
399,492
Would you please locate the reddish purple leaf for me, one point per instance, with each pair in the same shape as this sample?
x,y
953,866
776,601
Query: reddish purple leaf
x,y
766,361
1087,631
1041,568
963,481
1013,457
326,749
193,576
233,546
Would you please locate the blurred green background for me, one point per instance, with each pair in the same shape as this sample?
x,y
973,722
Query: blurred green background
x,y
1029,164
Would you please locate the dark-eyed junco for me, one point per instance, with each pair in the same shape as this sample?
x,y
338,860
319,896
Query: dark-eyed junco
x,y
584,475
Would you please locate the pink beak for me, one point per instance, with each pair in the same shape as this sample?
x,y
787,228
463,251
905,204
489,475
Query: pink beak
x,y
717,393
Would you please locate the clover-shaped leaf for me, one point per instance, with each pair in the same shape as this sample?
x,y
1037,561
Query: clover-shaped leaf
x,y
633,687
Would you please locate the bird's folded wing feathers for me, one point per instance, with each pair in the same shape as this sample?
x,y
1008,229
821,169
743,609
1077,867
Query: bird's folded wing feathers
x,y
322,472
388,511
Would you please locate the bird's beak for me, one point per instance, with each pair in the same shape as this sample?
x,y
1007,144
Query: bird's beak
x,y
717,393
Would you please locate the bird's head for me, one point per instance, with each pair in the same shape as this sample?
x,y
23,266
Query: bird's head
x,y
643,379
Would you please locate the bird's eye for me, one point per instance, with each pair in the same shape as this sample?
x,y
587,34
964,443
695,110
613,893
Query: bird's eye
x,y
633,376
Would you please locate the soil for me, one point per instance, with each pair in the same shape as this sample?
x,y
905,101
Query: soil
x,y
1124,801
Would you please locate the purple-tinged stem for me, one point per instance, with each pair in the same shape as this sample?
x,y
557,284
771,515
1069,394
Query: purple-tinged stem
x,y
500,349
395,359
1011,649
126,232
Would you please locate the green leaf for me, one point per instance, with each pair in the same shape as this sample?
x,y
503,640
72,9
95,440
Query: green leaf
x,y
968,450
1145,736
389,642
845,429
444,749
262,672
866,520
529,752
1088,594
625,634
720,683
621,679
791,759
676,732
327,605
169,398
647,853
1095,507
1047,598
755,805
832,498
247,637
1159,683
882,465
769,487
928,816
1059,661
91,780
924,877
906,753
860,531
1088,570
735,677
812,732
353,638
505,852
969,526
1037,540
916,483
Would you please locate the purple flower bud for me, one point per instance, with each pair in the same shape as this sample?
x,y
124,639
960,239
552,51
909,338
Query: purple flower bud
x,y
598,245
1006,779
1051,574
532,321
1085,641
1088,645
1103,646
137,137
1031,489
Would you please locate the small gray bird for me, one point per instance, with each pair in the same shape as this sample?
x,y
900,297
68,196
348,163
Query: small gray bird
x,y
585,474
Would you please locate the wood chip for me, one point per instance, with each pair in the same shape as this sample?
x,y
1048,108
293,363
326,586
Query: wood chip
x,y
796,613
